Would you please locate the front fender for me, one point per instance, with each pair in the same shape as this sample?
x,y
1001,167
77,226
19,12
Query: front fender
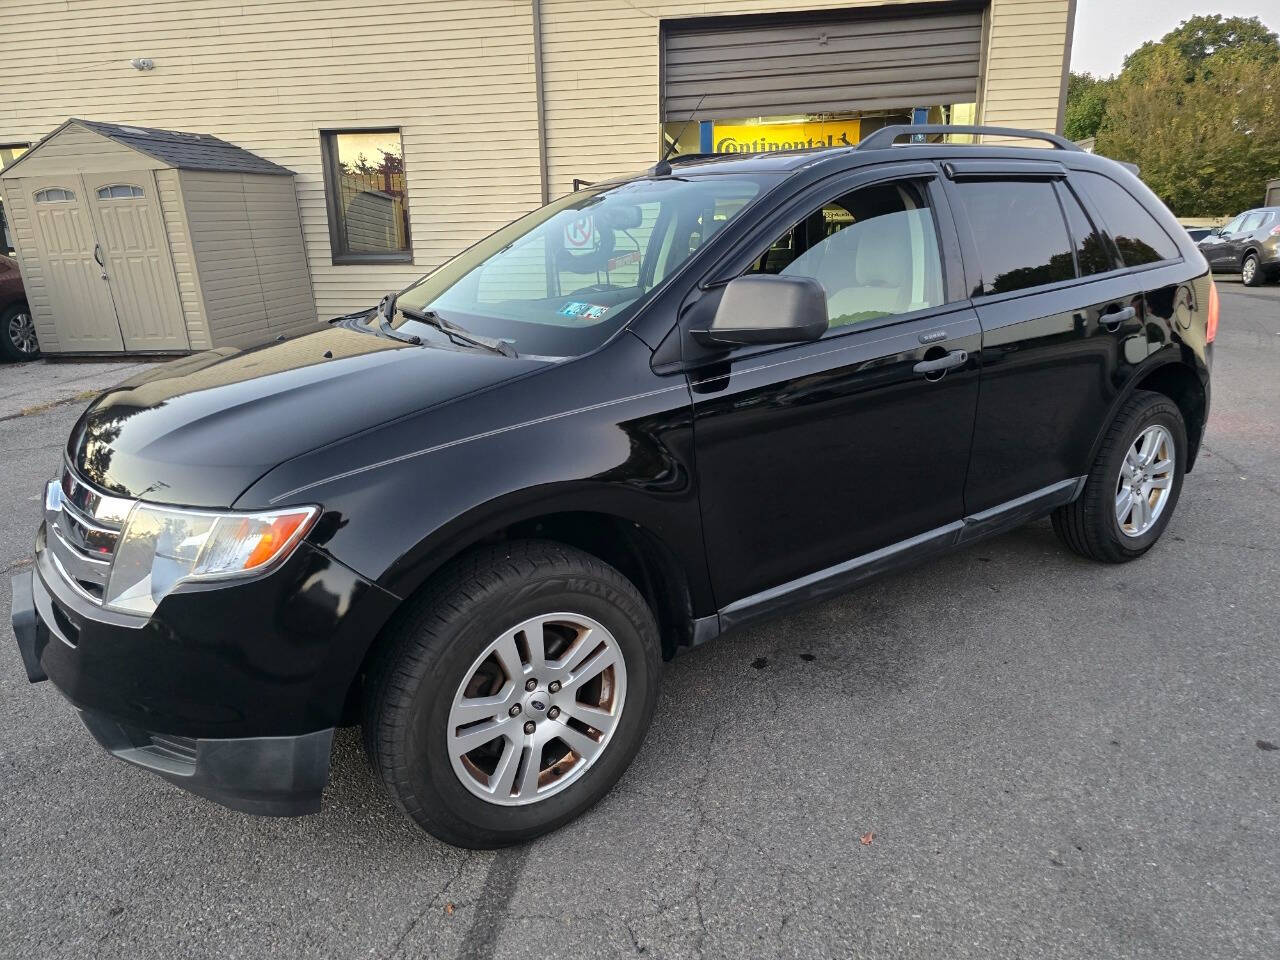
x,y
402,499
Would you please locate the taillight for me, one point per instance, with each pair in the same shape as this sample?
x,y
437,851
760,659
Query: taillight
x,y
1212,329
1275,231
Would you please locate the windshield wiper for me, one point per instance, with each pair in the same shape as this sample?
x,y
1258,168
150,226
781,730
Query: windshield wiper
x,y
456,333
387,310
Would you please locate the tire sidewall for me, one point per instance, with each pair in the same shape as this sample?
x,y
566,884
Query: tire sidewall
x,y
1257,279
428,766
1165,414
8,349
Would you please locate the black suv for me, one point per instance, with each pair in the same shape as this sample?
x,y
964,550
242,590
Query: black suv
x,y
475,519
1249,245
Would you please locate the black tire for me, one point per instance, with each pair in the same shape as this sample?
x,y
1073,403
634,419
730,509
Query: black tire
x,y
436,640
9,348
1254,278
1089,526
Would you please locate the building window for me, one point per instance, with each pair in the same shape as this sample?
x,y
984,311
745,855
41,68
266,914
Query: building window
x,y
54,195
364,180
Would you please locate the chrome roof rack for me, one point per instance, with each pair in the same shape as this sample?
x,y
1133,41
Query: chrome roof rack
x,y
885,136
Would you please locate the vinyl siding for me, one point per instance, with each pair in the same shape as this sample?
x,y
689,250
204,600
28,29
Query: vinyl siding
x,y
455,76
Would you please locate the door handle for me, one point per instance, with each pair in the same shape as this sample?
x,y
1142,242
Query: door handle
x,y
942,364
1113,319
97,256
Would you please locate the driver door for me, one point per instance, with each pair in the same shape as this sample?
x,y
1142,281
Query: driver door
x,y
821,462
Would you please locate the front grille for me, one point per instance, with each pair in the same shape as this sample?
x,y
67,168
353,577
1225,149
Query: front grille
x,y
83,527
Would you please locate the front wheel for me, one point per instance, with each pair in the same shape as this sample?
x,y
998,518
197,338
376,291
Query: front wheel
x,y
513,694
1130,493
1251,271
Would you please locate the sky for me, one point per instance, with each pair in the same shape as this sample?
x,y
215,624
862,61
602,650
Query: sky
x,y
1106,30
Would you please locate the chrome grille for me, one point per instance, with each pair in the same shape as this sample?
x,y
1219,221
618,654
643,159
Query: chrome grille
x,y
83,526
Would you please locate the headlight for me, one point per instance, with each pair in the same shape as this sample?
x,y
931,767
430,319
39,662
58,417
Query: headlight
x,y
161,547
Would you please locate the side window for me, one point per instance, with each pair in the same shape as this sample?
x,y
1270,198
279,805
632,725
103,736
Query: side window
x,y
1019,232
1140,239
1092,253
874,250
1252,222
1233,226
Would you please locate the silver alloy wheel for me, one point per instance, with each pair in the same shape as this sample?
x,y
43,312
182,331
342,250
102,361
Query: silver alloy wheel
x,y
22,332
1249,270
537,708
1145,481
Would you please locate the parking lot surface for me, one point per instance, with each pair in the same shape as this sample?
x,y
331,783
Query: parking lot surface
x,y
1009,752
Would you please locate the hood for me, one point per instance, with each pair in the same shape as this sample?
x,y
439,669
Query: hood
x,y
198,431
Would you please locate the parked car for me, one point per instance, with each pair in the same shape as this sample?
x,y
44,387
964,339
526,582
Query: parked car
x,y
477,518
1249,245
17,327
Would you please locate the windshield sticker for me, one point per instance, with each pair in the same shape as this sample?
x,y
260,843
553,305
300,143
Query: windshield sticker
x,y
586,311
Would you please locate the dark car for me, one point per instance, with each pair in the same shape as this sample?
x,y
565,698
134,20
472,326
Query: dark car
x,y
17,327
1249,245
1198,233
477,518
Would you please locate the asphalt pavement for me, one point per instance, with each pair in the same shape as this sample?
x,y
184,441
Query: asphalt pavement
x,y
1009,752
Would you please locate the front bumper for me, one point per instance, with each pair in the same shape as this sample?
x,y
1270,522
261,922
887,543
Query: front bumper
x,y
229,693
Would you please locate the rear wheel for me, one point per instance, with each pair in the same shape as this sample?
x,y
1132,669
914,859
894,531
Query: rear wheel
x,y
513,694
1130,493
18,334
1251,271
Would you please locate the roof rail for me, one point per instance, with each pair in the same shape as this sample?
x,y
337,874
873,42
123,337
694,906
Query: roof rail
x,y
885,136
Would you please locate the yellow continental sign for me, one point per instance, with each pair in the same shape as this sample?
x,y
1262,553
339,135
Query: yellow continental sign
x,y
755,138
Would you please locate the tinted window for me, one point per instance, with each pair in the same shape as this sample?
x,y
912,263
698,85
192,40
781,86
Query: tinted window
x,y
1092,252
874,250
1019,231
1136,233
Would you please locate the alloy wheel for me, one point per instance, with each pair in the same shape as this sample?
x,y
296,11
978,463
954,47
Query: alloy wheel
x,y
1250,270
1145,481
22,333
537,708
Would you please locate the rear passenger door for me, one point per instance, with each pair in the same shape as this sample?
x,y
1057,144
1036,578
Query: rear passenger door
x,y
1059,317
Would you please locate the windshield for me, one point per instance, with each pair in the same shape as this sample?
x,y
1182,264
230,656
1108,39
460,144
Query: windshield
x,y
561,280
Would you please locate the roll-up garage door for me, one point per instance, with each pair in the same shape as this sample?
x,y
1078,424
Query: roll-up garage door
x,y
750,66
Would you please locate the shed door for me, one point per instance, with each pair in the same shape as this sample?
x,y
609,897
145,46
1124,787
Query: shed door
x,y
750,66
76,285
126,213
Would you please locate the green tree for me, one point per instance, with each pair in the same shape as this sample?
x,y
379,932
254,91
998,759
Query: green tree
x,y
1086,105
1205,145
1200,41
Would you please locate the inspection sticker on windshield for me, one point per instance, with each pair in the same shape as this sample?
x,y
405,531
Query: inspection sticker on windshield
x,y
587,311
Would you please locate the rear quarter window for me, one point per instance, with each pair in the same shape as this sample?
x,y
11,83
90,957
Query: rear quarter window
x,y
1135,232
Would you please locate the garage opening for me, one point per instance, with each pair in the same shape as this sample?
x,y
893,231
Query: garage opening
x,y
783,82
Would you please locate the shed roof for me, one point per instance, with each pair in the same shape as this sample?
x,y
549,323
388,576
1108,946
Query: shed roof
x,y
183,151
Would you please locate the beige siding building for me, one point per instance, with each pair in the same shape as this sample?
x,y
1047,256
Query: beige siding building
x,y
416,127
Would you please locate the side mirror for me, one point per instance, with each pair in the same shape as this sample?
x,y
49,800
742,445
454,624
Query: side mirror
x,y
767,309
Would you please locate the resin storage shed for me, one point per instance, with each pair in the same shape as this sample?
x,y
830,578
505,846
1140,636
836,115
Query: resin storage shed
x,y
136,240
